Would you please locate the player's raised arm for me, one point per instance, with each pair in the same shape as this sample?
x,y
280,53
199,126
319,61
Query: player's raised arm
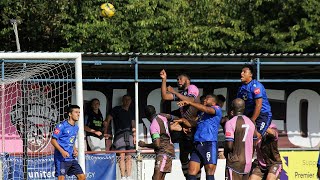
x,y
164,94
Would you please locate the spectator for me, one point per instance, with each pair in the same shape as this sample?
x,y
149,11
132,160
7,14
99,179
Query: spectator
x,y
124,139
94,126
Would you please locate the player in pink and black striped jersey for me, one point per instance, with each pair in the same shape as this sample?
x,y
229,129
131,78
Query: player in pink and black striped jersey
x,y
269,164
187,92
161,142
240,135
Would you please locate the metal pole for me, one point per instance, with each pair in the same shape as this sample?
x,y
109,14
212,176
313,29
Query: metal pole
x,y
79,100
3,120
14,23
24,125
136,90
258,68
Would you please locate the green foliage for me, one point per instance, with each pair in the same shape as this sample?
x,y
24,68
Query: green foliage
x,y
163,26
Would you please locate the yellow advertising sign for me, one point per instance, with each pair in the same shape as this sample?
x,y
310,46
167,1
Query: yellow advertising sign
x,y
299,165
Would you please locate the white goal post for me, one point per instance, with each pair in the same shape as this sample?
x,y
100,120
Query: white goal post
x,y
53,58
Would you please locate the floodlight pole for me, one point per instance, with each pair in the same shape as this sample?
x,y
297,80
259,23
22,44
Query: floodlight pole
x,y
14,23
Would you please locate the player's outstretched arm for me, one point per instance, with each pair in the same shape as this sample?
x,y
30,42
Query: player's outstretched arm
x,y
200,107
180,96
169,117
154,145
186,122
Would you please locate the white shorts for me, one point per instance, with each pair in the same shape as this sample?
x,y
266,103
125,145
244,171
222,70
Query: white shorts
x,y
96,144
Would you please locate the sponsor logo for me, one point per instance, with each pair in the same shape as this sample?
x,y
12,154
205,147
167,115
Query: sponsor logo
x,y
245,96
56,131
256,91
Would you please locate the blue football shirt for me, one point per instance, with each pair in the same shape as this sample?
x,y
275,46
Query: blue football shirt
x,y
208,126
252,91
65,134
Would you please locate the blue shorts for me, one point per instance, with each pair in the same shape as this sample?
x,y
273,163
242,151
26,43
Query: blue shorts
x,y
205,152
69,168
263,121
319,161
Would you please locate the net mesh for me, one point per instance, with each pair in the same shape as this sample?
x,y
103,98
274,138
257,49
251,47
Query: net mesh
x,y
34,97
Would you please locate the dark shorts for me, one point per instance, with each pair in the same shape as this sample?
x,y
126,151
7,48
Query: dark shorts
x,y
163,163
263,121
263,173
205,153
69,168
123,141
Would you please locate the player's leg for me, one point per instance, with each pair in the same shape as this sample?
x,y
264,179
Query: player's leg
x,y
75,169
81,176
209,157
256,173
163,165
195,163
61,169
245,176
194,168
61,177
185,150
255,177
274,172
156,173
263,122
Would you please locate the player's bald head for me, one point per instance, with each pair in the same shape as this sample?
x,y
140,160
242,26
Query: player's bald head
x,y
238,105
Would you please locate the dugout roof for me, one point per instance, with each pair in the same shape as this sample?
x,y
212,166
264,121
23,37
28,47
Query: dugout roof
x,y
307,67
227,71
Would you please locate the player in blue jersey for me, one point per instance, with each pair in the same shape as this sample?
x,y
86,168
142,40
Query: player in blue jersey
x,y
205,138
256,100
63,139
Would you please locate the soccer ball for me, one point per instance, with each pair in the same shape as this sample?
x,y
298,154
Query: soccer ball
x,y
107,10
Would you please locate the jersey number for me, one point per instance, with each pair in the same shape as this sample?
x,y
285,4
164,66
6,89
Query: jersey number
x,y
246,132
